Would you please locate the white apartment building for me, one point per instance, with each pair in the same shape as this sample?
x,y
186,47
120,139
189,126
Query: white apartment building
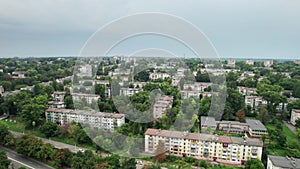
x,y
255,101
157,75
94,119
277,162
268,63
246,91
231,62
58,96
250,62
162,103
295,115
297,62
129,91
197,86
221,149
89,98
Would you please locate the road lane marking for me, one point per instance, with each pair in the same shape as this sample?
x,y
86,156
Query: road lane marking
x,y
20,163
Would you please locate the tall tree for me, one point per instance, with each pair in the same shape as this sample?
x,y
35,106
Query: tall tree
x,y
4,161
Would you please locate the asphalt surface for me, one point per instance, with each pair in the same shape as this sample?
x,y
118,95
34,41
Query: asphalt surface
x,y
19,160
56,144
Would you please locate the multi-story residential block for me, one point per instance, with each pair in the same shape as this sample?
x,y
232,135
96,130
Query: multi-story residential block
x,y
222,149
89,98
18,74
295,115
162,103
129,91
268,63
256,128
58,96
208,124
197,86
250,62
157,75
56,104
195,94
277,162
98,120
85,70
255,101
231,62
297,62
246,90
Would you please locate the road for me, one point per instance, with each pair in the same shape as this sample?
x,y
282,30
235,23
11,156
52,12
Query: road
x,y
56,144
290,126
20,160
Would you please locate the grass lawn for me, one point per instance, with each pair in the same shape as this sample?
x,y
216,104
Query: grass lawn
x,y
13,124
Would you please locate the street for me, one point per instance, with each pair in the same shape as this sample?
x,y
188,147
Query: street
x,y
19,160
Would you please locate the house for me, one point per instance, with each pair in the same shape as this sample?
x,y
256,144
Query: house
x,y
231,62
277,162
250,62
295,115
220,149
255,101
129,91
246,90
156,75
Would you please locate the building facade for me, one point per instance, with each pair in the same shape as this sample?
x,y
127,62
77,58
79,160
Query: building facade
x,y
277,162
295,115
222,149
162,103
98,120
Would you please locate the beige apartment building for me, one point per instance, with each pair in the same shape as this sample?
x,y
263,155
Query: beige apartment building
x,y
221,149
98,120
295,115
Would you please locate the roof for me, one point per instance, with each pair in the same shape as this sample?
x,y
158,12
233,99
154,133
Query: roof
x,y
285,162
296,110
86,112
255,125
208,121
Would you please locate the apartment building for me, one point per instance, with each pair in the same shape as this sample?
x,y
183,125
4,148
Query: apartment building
x,y
255,101
157,75
268,63
18,74
250,62
233,127
89,98
277,162
295,115
197,86
246,90
162,103
129,91
58,96
95,119
297,62
231,62
221,149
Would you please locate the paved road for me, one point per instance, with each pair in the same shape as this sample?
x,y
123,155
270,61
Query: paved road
x,y
20,160
290,126
56,144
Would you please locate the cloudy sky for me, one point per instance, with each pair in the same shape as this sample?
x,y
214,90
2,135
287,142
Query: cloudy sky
x,y
237,28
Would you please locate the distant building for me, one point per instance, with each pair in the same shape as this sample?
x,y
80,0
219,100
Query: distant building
x,y
197,86
255,101
18,74
85,70
1,91
98,120
277,162
231,62
58,96
222,149
89,98
250,62
129,91
268,63
162,103
157,75
208,124
297,62
295,115
246,91
56,104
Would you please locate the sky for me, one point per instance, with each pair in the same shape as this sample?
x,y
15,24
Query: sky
x,y
236,28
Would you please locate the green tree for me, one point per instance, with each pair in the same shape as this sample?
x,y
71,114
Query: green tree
x,y
4,161
49,129
128,163
62,157
33,113
254,163
3,132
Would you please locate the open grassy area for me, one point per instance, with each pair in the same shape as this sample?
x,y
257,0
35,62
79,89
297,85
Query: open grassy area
x,y
14,124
